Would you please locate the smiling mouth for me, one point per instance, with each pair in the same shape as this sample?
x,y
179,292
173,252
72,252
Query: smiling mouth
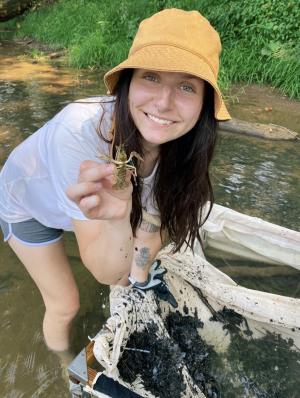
x,y
162,122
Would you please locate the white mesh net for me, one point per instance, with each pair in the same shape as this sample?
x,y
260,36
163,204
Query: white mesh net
x,y
227,318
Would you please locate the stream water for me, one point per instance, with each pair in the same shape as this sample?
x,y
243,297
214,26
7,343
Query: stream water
x,y
254,176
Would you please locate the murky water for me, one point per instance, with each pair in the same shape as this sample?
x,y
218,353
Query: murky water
x,y
254,176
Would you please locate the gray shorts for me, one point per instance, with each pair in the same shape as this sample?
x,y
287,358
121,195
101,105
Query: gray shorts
x,y
30,232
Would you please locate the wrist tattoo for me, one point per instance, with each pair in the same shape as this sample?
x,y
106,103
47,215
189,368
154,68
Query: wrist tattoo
x,y
148,227
142,257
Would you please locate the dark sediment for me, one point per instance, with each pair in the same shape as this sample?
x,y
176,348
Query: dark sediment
x,y
262,368
184,330
258,368
161,369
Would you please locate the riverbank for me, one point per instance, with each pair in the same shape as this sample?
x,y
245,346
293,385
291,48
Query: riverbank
x,y
260,44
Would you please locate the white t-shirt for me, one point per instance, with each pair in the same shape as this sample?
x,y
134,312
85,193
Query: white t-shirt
x,y
35,177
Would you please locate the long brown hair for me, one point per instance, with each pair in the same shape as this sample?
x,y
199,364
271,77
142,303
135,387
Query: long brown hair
x,y
182,185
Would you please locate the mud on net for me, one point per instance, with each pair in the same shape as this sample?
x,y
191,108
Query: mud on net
x,y
223,340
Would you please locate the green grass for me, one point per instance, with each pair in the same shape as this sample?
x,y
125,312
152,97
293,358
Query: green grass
x,y
260,41
245,63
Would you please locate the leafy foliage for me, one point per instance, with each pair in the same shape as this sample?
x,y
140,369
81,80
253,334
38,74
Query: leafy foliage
x,y
260,39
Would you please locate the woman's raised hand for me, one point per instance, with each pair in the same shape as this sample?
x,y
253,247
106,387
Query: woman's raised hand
x,y
95,196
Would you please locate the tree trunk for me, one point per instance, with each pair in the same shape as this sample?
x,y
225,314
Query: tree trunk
x,y
269,131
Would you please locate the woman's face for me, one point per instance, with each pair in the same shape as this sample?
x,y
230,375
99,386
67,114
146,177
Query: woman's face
x,y
164,105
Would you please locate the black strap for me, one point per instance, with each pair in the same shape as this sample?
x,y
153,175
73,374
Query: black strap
x,y
113,388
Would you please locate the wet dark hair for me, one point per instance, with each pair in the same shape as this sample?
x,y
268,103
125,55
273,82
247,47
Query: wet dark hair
x,y
182,185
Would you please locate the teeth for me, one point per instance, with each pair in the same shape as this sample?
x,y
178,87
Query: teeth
x,y
160,121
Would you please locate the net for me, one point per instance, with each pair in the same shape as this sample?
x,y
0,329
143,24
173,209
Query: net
x,y
223,339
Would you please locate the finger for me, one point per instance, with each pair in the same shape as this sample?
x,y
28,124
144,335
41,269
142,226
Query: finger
x,y
86,164
109,181
128,176
78,191
123,193
89,203
114,179
95,173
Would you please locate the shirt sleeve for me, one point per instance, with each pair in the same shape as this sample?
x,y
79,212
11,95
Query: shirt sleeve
x,y
67,147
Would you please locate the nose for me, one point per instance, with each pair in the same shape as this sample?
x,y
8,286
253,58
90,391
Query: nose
x,y
164,99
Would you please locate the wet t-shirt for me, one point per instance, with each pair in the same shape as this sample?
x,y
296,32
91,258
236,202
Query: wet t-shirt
x,y
35,177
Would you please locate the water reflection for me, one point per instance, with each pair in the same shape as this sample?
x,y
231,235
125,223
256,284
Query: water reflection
x,y
35,92
259,177
253,176
27,368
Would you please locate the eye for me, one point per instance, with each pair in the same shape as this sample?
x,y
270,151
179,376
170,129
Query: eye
x,y
187,87
150,77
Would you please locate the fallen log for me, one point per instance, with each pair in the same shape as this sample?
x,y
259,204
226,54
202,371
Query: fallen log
x,y
269,131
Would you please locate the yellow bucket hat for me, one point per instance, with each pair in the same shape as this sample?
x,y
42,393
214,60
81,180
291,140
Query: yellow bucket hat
x,y
175,40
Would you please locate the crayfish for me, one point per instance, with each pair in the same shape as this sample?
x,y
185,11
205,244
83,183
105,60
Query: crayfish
x,y
122,165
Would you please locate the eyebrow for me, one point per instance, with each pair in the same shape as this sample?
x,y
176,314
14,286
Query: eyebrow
x,y
182,75
188,76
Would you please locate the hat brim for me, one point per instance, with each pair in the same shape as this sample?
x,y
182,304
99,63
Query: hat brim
x,y
166,58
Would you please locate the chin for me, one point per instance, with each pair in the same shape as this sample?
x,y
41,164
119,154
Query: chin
x,y
153,141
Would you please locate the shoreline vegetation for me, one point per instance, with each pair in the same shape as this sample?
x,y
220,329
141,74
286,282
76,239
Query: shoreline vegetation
x,y
260,41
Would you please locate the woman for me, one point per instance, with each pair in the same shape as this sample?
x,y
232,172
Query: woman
x,y
165,107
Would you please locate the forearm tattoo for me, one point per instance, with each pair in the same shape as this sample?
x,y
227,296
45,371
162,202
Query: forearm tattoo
x,y
148,227
142,257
